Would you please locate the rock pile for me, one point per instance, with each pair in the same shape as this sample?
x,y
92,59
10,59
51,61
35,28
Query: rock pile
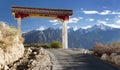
x,y
34,59
113,58
82,50
108,52
42,60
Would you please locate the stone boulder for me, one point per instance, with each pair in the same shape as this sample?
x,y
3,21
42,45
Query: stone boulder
x,y
116,59
11,44
112,57
105,57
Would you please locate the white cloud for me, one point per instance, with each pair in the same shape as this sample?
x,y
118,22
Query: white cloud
x,y
55,22
115,13
73,20
42,28
68,27
91,19
80,18
118,21
110,25
113,25
105,12
107,19
75,28
90,12
118,16
86,27
101,22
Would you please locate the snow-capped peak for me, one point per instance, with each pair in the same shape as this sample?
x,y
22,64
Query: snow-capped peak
x,y
86,27
112,25
101,26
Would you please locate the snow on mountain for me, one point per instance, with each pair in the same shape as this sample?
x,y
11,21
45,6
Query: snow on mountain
x,y
79,38
99,26
112,25
86,27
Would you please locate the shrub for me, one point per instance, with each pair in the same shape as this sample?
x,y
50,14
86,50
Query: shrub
x,y
56,44
115,44
100,49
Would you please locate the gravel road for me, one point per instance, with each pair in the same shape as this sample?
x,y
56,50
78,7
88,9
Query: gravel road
x,y
66,59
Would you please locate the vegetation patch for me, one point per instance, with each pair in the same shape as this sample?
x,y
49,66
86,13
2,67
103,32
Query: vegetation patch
x,y
54,44
100,48
108,52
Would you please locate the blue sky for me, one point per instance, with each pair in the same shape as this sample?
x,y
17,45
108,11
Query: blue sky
x,y
86,13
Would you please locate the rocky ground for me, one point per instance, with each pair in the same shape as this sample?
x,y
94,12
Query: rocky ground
x,y
34,59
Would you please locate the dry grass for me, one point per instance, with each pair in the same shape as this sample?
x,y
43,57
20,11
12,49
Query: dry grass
x,y
115,44
100,48
9,36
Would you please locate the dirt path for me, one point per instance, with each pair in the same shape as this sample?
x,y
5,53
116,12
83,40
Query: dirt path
x,y
72,60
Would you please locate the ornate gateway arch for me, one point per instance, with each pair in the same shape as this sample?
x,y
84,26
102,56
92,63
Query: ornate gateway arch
x,y
60,14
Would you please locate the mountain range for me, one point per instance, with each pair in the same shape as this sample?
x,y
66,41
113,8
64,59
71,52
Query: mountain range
x,y
83,38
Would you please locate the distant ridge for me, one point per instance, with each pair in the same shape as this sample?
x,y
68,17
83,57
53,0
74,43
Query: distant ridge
x,y
77,38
